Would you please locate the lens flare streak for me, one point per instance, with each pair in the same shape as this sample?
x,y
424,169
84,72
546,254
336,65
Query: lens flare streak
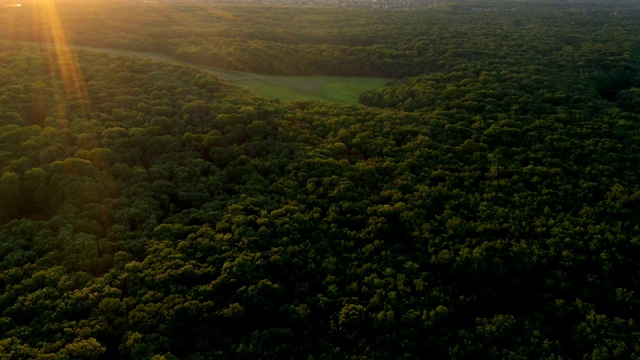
x,y
46,16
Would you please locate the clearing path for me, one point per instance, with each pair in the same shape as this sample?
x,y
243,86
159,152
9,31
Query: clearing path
x,y
341,89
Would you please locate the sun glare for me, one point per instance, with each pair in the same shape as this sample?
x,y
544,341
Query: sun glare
x,y
46,16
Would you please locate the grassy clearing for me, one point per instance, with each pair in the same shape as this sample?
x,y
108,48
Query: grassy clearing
x,y
338,89
325,88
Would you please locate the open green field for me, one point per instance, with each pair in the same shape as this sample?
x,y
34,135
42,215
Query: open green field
x,y
326,88
339,89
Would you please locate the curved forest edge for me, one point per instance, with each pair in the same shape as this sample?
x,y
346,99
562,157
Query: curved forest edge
x,y
341,89
483,207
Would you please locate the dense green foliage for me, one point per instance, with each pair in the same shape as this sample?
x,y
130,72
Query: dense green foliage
x,y
484,208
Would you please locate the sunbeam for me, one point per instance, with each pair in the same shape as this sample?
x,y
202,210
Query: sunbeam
x,y
46,17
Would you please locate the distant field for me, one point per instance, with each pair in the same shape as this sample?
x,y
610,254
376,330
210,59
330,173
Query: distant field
x,y
325,88
340,89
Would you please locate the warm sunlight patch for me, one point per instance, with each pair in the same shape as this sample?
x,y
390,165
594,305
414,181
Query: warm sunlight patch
x,y
52,30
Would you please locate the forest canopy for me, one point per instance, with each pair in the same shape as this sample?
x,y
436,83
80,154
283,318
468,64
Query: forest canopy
x,y
481,207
